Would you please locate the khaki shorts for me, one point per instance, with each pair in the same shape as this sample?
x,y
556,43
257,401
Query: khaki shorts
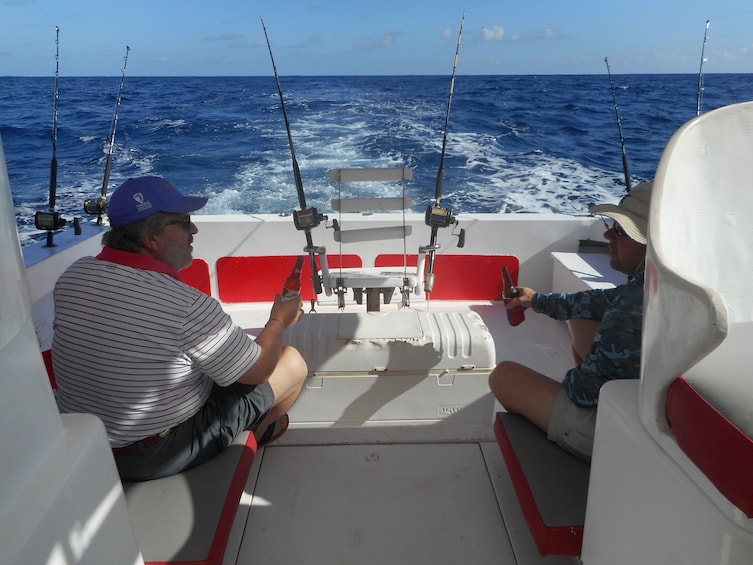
x,y
572,426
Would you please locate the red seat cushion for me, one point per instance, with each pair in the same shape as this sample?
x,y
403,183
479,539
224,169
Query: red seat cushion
x,y
462,277
197,275
259,279
718,447
47,358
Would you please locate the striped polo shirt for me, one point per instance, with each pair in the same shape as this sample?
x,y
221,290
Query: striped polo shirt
x,y
136,346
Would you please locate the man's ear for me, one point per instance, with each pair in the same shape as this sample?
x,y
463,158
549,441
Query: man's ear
x,y
150,243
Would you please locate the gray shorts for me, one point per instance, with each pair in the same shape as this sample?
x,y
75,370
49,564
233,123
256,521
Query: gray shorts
x,y
572,426
228,411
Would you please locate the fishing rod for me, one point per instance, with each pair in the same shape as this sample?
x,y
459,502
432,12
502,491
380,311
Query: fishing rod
x,y
436,216
306,218
101,207
51,220
54,161
700,70
625,166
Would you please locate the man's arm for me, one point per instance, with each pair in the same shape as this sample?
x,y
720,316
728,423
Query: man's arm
x,y
284,314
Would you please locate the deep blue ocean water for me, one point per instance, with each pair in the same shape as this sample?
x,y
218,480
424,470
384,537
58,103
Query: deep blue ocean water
x,y
536,144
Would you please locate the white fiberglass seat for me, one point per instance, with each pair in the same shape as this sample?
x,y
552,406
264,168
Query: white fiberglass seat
x,y
61,500
673,454
377,283
699,306
699,283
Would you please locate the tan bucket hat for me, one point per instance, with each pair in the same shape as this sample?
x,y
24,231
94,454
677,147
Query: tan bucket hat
x,y
631,213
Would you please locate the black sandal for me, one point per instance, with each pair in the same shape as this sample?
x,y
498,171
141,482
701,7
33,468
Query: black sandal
x,y
274,431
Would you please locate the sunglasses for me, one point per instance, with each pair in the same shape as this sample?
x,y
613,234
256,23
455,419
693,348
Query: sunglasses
x,y
615,227
184,222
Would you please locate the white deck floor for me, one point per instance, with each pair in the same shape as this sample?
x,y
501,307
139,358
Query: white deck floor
x,y
397,503
356,497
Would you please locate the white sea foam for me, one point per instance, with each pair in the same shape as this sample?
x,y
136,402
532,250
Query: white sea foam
x,y
514,144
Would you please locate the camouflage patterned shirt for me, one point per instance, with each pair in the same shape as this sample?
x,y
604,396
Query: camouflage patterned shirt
x,y
616,351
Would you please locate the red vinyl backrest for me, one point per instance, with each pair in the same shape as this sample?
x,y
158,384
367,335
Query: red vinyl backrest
x,y
260,279
462,277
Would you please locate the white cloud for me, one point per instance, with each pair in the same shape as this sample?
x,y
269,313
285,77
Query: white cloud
x,y
227,36
385,40
494,33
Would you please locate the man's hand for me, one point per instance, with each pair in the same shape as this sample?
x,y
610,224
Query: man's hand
x,y
523,299
286,312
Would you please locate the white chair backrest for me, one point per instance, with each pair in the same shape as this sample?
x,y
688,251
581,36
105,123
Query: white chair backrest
x,y
375,282
698,307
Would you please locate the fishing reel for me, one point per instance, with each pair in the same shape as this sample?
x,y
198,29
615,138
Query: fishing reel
x,y
95,206
438,217
306,219
48,221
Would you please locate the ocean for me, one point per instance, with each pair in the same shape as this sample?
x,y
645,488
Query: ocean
x,y
532,144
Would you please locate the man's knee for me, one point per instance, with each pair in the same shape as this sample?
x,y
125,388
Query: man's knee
x,y
294,362
521,389
289,374
504,371
502,377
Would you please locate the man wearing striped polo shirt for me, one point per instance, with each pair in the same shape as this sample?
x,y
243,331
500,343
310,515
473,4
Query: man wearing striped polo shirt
x,y
171,376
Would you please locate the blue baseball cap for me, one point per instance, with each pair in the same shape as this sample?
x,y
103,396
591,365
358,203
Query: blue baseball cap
x,y
140,197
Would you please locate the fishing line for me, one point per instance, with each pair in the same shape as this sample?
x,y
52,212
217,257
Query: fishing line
x,y
440,173
306,218
700,70
436,216
108,165
54,162
625,166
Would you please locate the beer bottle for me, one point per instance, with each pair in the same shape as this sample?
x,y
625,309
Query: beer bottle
x,y
516,315
292,287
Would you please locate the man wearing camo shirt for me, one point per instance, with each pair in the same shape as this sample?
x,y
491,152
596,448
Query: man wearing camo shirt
x,y
605,327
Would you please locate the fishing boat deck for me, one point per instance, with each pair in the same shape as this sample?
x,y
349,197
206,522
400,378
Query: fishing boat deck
x,y
405,492
400,466
393,461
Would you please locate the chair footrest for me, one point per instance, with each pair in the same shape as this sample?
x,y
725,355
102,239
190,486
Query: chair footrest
x,y
551,485
371,278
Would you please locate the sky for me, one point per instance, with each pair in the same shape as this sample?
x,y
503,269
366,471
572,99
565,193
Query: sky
x,y
378,37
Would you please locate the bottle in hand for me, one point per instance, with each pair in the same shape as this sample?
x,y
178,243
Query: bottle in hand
x,y
292,287
516,315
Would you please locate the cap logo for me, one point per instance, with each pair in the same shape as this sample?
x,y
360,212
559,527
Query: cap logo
x,y
141,204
